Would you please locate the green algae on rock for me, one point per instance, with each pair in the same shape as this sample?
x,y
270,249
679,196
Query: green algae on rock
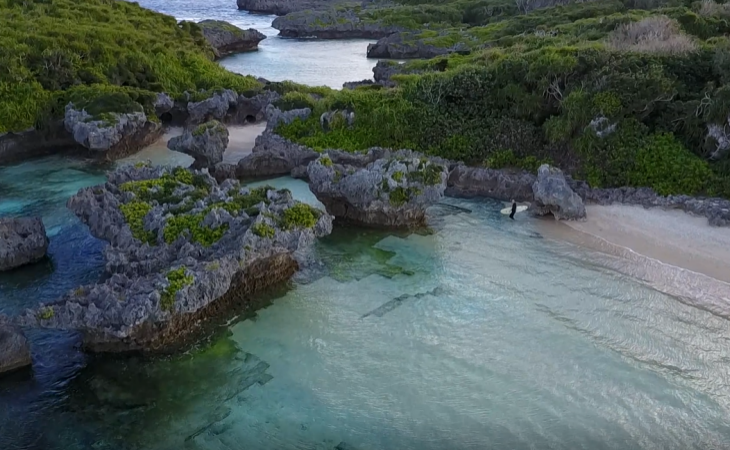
x,y
167,228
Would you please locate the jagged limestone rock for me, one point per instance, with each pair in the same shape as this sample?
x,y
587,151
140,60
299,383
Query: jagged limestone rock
x,y
553,195
111,135
22,241
206,143
182,248
228,39
390,192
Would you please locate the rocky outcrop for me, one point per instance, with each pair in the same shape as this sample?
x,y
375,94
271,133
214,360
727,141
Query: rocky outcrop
x,y
182,248
214,107
227,39
716,210
391,192
362,83
163,104
252,109
469,182
14,348
206,143
409,45
111,135
22,241
272,154
282,7
553,195
384,71
32,143
331,24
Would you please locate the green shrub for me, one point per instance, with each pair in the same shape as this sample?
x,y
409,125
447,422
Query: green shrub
x,y
108,55
263,230
177,279
663,164
300,215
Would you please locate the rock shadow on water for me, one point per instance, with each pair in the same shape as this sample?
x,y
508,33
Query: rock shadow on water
x,y
400,300
74,258
350,253
140,400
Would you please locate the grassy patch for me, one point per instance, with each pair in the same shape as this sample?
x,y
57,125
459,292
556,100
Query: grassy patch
x,y
105,54
177,279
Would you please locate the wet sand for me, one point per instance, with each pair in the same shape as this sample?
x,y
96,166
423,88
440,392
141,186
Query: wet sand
x,y
241,141
672,251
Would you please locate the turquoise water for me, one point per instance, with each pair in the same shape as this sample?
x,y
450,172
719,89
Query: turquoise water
x,y
479,334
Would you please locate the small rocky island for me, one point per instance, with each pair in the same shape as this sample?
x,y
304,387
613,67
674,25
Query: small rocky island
x,y
182,248
227,39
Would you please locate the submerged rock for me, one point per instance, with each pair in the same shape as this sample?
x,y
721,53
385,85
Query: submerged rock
x,y
22,241
206,143
409,45
331,24
14,348
553,195
111,135
228,39
391,192
182,248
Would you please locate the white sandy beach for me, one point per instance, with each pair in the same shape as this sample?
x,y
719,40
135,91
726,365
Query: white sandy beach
x,y
673,251
241,141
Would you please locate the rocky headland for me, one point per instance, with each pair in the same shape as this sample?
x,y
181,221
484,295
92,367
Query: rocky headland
x,y
331,23
228,39
409,45
181,248
283,7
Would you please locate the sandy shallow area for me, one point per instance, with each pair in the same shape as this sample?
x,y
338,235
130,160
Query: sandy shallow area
x,y
673,251
241,141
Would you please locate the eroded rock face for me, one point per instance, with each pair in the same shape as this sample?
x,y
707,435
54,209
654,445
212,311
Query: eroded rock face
x,y
272,154
206,143
14,348
182,248
330,24
22,241
391,192
214,107
408,45
471,182
113,135
553,195
228,39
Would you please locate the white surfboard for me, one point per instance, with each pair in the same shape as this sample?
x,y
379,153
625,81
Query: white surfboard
x,y
508,210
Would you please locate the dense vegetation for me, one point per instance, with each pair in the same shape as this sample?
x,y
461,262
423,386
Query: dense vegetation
x,y
110,55
616,92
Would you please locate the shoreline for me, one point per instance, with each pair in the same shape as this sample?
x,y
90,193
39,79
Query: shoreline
x,y
671,251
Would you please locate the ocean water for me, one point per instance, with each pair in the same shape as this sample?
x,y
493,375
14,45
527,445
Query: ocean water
x,y
478,334
307,61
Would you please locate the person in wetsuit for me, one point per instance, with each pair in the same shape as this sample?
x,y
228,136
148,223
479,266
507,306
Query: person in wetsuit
x,y
514,210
